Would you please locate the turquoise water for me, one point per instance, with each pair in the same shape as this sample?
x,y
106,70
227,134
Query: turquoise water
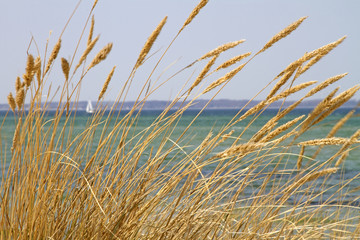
x,y
214,120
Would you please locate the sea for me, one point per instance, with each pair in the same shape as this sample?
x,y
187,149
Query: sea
x,y
214,120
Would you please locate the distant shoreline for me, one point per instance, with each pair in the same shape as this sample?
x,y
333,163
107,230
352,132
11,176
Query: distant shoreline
x,y
221,104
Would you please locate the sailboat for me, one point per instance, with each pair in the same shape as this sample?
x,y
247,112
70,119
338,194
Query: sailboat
x,y
89,107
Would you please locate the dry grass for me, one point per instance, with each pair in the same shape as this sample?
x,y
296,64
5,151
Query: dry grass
x,y
150,42
114,181
283,33
11,102
106,83
100,56
53,55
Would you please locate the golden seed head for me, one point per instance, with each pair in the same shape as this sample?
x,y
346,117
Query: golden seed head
x,y
106,83
307,56
320,53
30,64
65,67
264,129
280,83
282,128
28,76
86,52
324,104
223,79
300,158
253,110
203,72
290,91
324,49
342,158
324,141
240,149
18,84
91,30
294,65
221,49
226,136
346,95
282,34
16,136
194,13
53,55
37,69
284,137
336,102
150,42
19,98
101,55
325,84
11,102
232,61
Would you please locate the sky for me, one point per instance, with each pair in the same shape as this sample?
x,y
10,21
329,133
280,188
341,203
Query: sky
x,y
127,24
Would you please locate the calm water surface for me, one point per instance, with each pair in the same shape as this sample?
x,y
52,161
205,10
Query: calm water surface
x,y
215,119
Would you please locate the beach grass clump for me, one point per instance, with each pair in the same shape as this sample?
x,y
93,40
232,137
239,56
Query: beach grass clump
x,y
115,180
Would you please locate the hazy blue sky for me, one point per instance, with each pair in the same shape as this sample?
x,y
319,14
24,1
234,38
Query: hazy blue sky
x,y
128,24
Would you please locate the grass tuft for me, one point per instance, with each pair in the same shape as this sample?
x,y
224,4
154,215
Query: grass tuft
x,y
111,178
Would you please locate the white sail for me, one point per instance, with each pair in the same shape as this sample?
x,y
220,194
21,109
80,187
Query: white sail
x,y
89,107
